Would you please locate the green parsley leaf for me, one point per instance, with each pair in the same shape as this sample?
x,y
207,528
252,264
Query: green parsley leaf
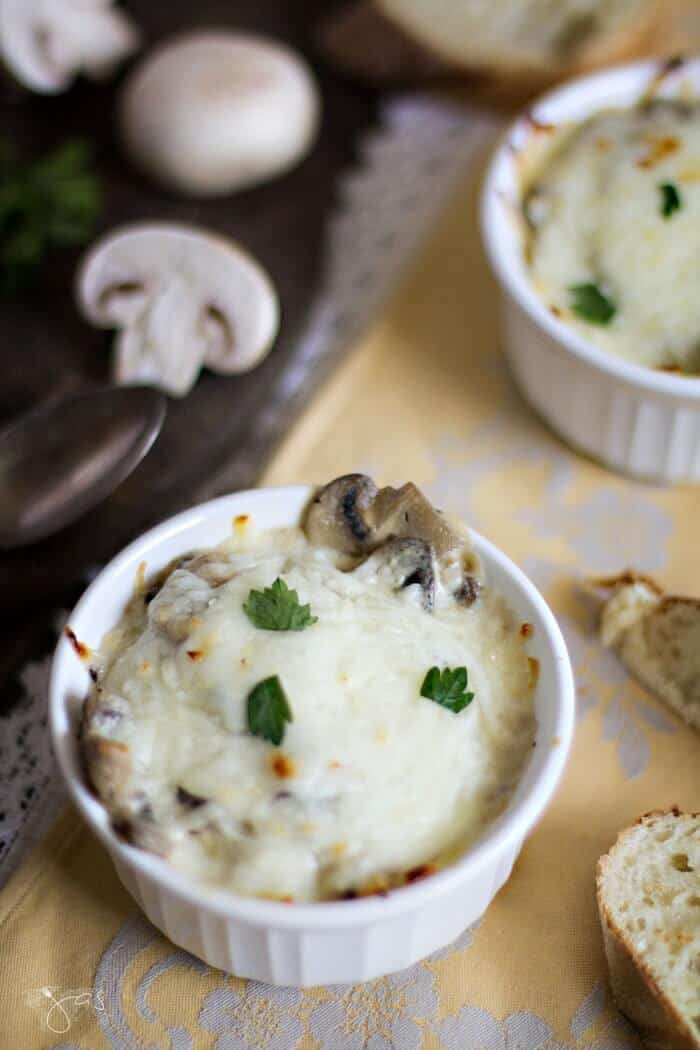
x,y
447,688
268,709
670,199
278,609
54,201
590,304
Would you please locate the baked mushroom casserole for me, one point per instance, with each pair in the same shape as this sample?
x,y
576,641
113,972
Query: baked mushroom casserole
x,y
612,211
313,713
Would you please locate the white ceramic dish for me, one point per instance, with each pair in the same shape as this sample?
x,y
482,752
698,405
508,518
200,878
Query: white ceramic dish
x,y
634,419
324,943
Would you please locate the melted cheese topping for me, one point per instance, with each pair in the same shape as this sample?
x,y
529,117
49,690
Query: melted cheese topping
x,y
371,780
596,216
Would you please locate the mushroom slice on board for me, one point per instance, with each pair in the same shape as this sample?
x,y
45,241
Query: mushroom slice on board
x,y
46,43
181,298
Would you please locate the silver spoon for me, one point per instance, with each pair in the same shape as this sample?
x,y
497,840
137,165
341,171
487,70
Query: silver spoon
x,y
63,458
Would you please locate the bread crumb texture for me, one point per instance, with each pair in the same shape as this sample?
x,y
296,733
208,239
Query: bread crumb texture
x,y
649,900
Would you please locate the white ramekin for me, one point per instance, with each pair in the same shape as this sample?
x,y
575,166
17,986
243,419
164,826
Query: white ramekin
x,y
634,419
324,943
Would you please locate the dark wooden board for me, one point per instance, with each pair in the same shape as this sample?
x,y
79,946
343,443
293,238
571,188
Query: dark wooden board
x,y
220,436
47,349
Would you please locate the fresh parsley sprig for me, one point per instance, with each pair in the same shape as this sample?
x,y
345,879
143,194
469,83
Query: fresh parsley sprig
x,y
277,608
447,688
670,199
591,304
53,201
268,710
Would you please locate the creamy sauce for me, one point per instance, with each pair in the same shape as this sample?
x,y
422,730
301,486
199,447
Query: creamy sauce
x,y
371,780
595,213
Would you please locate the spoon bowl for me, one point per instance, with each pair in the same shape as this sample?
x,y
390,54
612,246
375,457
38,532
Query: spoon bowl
x,y
63,458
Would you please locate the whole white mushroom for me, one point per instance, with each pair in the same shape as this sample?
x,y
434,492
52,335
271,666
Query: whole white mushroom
x,y
213,112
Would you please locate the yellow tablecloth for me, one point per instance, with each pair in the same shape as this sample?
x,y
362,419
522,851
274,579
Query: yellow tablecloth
x,y
425,397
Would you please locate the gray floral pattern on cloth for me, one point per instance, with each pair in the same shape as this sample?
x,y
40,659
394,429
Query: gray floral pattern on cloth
x,y
242,1018
396,1012
594,529
388,1013
629,715
594,1026
31,794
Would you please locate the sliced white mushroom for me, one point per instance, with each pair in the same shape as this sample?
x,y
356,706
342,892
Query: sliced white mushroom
x,y
213,112
181,299
46,43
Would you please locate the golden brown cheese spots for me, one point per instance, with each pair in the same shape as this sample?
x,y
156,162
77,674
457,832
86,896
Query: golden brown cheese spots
x,y
105,747
335,764
539,125
283,766
241,523
195,655
338,850
534,666
526,630
423,871
377,886
80,648
140,581
660,147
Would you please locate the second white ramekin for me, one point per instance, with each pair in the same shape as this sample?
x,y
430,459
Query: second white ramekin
x,y
328,942
634,419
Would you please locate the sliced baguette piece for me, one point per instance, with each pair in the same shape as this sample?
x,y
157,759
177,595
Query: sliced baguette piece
x,y
648,891
657,637
528,38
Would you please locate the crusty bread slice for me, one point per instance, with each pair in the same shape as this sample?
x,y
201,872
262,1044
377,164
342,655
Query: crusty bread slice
x,y
657,637
528,38
648,889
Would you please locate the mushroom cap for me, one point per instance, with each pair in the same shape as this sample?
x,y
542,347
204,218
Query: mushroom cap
x,y
45,43
181,297
213,112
